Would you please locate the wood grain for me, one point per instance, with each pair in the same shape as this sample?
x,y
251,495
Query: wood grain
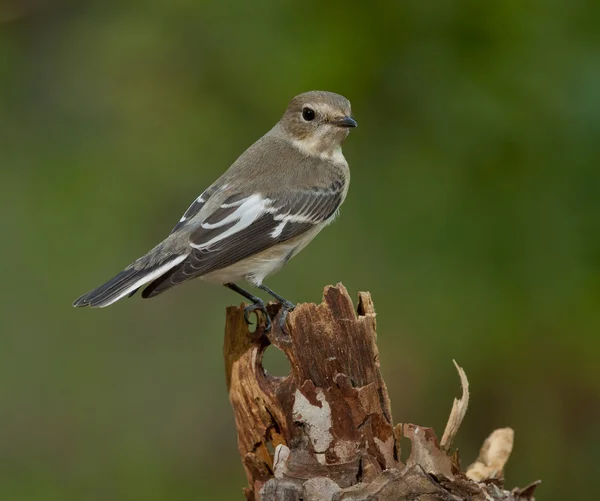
x,y
325,432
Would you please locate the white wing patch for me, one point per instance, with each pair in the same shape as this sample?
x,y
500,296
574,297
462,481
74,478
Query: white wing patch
x,y
290,218
190,209
248,210
301,216
275,219
233,204
278,229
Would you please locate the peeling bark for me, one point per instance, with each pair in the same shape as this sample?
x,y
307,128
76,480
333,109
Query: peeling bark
x,y
325,432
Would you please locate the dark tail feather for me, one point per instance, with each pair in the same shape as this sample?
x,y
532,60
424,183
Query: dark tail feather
x,y
161,284
107,293
125,284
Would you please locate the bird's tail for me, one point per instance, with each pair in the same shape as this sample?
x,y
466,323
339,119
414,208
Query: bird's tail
x,y
126,283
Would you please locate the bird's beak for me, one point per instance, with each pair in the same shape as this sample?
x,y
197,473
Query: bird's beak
x,y
346,122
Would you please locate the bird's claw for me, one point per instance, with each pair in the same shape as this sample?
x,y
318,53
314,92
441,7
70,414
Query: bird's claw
x,y
286,307
248,310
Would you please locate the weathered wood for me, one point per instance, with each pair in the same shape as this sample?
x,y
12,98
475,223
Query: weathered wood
x,y
325,432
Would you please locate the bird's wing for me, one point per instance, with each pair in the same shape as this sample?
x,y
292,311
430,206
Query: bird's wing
x,y
196,206
244,225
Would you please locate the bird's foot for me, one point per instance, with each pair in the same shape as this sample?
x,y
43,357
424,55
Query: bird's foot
x,y
258,305
286,307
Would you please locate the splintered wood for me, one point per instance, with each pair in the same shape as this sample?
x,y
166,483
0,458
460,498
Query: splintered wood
x,y
325,432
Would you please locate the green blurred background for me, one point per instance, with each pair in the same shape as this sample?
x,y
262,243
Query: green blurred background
x,y
473,218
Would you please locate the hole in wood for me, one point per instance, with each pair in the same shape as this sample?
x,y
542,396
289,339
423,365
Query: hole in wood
x,y
275,363
254,319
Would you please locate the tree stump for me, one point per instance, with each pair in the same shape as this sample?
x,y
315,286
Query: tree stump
x,y
325,432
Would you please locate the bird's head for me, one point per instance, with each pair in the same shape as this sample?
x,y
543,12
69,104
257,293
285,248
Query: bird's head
x,y
318,122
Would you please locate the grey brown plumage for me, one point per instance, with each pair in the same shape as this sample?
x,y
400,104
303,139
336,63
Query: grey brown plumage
x,y
263,210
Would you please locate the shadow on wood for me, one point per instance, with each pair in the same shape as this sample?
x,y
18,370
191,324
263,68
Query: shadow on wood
x,y
325,432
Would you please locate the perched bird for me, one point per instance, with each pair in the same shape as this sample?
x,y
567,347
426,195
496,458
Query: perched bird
x,y
261,212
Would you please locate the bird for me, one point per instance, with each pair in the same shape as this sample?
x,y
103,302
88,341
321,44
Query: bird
x,y
262,211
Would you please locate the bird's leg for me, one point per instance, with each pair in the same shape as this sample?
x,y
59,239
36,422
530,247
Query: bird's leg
x,y
286,306
257,304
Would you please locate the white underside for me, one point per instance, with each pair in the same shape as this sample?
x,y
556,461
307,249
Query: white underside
x,y
256,268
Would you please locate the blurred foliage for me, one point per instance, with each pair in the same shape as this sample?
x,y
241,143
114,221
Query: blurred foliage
x,y
473,218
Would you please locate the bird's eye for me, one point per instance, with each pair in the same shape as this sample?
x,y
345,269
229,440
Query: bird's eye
x,y
308,114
